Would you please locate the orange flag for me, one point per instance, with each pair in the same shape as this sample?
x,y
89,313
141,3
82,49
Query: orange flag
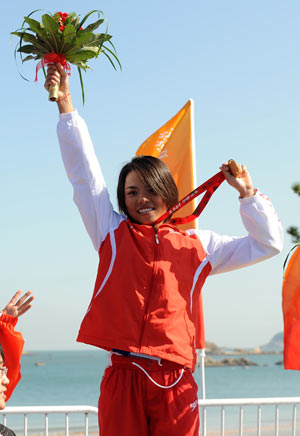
x,y
174,144
291,312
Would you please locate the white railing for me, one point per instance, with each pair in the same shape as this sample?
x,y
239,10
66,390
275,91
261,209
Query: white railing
x,y
244,402
48,410
221,404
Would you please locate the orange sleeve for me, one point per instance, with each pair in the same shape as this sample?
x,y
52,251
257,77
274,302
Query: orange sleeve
x,y
12,343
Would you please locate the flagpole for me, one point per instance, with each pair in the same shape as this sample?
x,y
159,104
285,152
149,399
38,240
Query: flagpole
x,y
201,350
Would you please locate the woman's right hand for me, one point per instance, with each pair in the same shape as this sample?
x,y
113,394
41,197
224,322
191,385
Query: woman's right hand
x,y
56,75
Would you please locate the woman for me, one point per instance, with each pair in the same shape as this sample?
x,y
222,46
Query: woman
x,y
11,346
150,275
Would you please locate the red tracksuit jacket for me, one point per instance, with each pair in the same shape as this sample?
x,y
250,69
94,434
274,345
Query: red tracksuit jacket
x,y
12,343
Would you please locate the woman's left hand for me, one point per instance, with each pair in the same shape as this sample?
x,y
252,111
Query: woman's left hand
x,y
243,183
18,306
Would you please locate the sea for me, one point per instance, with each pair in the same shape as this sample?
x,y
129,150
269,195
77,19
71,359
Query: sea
x,y
73,378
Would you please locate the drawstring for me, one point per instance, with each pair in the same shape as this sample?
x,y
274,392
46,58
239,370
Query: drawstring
x,y
153,381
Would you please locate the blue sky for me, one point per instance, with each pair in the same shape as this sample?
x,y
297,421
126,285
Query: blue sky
x,y
239,61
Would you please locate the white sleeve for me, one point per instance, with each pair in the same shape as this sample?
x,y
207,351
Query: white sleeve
x,y
83,170
264,240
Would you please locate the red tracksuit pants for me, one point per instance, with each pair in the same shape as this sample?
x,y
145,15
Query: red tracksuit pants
x,y
130,404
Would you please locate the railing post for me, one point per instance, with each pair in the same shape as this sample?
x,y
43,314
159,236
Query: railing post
x,y
241,421
222,421
259,421
276,420
86,424
202,369
46,424
294,419
25,425
204,421
67,423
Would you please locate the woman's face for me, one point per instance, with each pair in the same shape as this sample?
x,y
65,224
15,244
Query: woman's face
x,y
3,383
143,204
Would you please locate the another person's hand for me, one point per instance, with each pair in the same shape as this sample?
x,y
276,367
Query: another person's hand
x,y
18,305
243,183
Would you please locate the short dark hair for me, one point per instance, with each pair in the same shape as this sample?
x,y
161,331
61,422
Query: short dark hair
x,y
153,172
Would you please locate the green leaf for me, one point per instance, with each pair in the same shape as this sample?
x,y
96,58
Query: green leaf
x,y
83,65
69,33
99,39
31,49
81,83
36,27
114,48
82,55
20,34
77,23
88,15
108,57
68,37
81,40
52,26
93,26
27,37
50,23
114,55
28,58
93,48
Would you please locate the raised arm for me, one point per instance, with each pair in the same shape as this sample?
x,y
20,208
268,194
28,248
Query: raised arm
x,y
265,236
81,164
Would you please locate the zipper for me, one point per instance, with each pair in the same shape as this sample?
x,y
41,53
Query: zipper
x,y
150,289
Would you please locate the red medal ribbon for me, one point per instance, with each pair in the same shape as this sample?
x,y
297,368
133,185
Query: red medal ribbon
x,y
52,58
209,186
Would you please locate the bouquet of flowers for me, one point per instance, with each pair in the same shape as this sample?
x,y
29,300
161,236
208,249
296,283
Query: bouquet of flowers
x,y
62,37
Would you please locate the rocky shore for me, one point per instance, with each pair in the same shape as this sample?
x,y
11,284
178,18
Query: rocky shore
x,y
229,361
211,349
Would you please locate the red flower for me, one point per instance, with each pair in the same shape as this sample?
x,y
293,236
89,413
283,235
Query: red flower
x,y
63,16
62,28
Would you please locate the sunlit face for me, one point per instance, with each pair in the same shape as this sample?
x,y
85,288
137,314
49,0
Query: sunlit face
x,y
3,383
143,204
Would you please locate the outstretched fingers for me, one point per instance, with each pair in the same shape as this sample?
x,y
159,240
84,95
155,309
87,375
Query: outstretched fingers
x,y
17,306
